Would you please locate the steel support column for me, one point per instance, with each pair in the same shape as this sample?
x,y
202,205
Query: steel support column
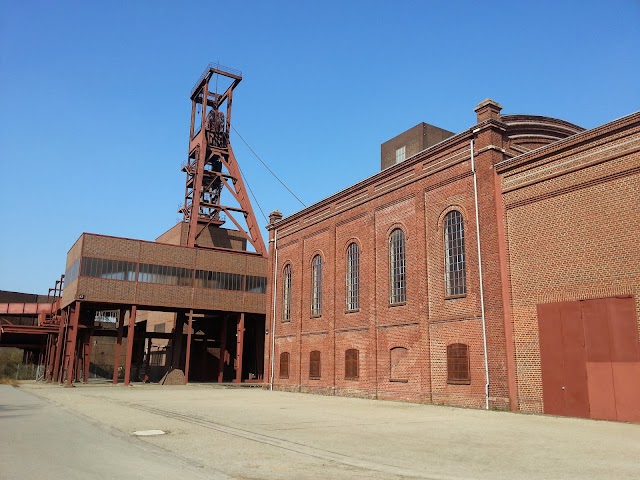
x,y
130,335
223,349
240,336
118,349
188,357
147,360
71,347
55,373
88,344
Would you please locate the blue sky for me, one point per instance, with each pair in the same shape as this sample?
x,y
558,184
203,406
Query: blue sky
x,y
94,98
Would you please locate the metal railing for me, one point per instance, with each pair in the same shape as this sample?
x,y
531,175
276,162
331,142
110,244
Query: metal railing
x,y
217,66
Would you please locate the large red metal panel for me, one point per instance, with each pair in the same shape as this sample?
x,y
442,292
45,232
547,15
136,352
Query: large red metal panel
x,y
596,330
576,391
626,380
602,399
551,358
623,330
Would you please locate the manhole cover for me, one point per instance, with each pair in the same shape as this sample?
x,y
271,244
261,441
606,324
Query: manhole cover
x,y
147,433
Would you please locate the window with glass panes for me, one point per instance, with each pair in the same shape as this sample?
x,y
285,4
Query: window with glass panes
x,y
397,267
455,273
286,294
316,286
353,277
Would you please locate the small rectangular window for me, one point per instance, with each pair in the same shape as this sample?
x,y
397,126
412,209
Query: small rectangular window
x,y
314,365
400,154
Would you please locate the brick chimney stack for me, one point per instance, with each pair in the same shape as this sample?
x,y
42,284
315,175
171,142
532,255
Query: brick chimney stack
x,y
488,109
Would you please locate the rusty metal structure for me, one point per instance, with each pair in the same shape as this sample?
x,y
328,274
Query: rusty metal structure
x,y
198,271
212,166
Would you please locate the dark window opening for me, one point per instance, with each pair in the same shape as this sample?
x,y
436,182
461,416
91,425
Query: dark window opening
x,y
351,364
458,370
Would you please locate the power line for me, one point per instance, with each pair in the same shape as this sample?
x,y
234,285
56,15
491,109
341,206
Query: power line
x,y
265,166
252,194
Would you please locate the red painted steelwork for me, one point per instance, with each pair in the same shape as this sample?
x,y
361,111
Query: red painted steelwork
x,y
130,334
24,308
209,152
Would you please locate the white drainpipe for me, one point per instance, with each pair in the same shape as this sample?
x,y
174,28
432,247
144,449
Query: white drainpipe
x,y
273,323
484,324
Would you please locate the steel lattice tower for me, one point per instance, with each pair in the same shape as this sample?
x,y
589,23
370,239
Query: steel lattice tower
x,y
211,166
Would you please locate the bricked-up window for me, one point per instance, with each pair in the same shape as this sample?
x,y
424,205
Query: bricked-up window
x,y
454,254
398,358
397,267
353,277
286,293
351,364
316,286
284,365
458,364
314,364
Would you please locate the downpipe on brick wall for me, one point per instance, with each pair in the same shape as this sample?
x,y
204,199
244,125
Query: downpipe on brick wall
x,y
273,322
484,324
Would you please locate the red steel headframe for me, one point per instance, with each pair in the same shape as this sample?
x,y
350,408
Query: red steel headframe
x,y
210,151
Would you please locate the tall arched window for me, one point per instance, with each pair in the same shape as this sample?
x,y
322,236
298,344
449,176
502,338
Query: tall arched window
x,y
286,294
455,276
316,286
397,267
353,277
351,364
458,371
284,365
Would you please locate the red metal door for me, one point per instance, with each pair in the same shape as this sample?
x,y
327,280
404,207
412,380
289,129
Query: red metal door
x,y
576,391
563,359
590,358
551,358
625,357
602,398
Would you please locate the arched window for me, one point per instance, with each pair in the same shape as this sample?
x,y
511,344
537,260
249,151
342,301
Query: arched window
x,y
314,364
456,280
399,367
353,277
316,286
458,364
351,364
397,267
284,365
286,294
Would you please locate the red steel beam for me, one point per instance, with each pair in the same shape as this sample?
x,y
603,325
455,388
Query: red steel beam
x,y
130,335
240,333
188,357
24,308
71,353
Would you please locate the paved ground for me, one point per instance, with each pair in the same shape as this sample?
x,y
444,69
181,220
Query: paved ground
x,y
256,434
41,440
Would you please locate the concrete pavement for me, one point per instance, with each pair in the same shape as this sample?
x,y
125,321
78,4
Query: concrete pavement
x,y
41,440
257,434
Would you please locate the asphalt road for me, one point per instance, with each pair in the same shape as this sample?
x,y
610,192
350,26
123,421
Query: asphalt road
x,y
41,440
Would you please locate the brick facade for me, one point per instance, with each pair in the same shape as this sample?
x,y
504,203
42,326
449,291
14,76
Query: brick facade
x,y
557,214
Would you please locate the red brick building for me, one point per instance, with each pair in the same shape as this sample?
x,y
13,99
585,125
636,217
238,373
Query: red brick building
x,y
497,268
